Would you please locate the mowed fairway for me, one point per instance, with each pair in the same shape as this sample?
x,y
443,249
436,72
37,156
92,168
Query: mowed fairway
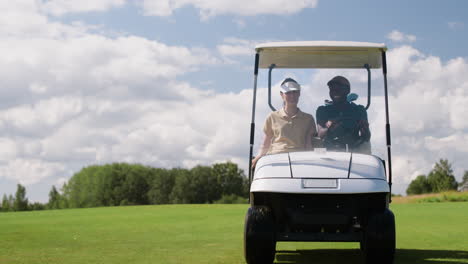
x,y
426,233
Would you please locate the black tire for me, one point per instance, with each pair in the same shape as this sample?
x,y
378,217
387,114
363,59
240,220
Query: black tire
x,y
259,236
379,238
362,245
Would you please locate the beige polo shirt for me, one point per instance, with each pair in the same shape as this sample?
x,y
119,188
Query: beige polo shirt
x,y
289,133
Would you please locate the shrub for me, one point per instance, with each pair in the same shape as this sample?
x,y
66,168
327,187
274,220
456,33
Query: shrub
x,y
446,197
232,199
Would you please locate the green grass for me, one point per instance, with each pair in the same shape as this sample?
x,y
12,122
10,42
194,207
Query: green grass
x,y
426,233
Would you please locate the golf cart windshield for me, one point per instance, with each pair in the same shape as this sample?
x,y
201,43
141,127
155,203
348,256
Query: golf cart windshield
x,y
321,55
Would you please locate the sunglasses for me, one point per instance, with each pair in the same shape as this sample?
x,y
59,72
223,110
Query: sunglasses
x,y
338,86
292,92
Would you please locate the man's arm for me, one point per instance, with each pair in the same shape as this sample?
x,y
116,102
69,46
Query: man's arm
x,y
364,130
364,125
322,128
322,131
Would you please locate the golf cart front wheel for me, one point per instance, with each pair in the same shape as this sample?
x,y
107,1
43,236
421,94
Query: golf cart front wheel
x,y
259,236
379,238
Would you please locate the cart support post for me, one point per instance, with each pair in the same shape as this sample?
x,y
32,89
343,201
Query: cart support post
x,y
387,125
252,123
269,87
368,85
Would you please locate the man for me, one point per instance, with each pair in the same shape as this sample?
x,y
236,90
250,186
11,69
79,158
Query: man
x,y
342,124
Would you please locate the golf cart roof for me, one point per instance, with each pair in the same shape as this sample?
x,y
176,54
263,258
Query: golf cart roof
x,y
320,54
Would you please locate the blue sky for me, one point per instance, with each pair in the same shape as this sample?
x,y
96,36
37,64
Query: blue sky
x,y
438,27
167,83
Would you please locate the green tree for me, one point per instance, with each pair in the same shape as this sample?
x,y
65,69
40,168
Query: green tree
x,y
136,184
11,203
161,186
5,204
181,192
198,185
464,179
129,184
63,201
37,206
21,202
230,179
75,191
419,185
441,177
205,184
54,199
108,185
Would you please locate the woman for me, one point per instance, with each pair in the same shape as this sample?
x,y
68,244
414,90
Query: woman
x,y
288,129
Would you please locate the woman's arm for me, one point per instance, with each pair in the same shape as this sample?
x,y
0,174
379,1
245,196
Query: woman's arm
x,y
263,149
310,142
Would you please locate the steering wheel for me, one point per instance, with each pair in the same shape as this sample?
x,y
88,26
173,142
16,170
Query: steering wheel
x,y
344,133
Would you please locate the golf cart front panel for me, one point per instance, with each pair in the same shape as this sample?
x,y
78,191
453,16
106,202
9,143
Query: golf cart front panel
x,y
319,186
320,173
336,165
321,217
320,195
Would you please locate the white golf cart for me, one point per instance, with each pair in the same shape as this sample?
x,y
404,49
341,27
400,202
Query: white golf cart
x,y
320,195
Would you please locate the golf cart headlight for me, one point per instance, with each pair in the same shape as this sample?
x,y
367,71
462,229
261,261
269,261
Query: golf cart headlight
x,y
319,183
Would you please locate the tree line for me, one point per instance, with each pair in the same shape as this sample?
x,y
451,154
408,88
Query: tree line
x,y
439,179
19,202
134,184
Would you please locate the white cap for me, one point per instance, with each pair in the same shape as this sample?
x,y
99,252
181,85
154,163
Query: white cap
x,y
289,85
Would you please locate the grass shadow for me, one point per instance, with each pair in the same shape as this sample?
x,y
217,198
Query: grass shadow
x,y
426,256
354,256
349,256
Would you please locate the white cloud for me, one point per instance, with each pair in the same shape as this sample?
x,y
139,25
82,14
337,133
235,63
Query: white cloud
x,y
59,183
428,108
8,149
237,47
92,64
62,7
456,142
30,171
398,36
233,50
454,25
46,113
240,23
210,8
24,19
38,88
70,97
